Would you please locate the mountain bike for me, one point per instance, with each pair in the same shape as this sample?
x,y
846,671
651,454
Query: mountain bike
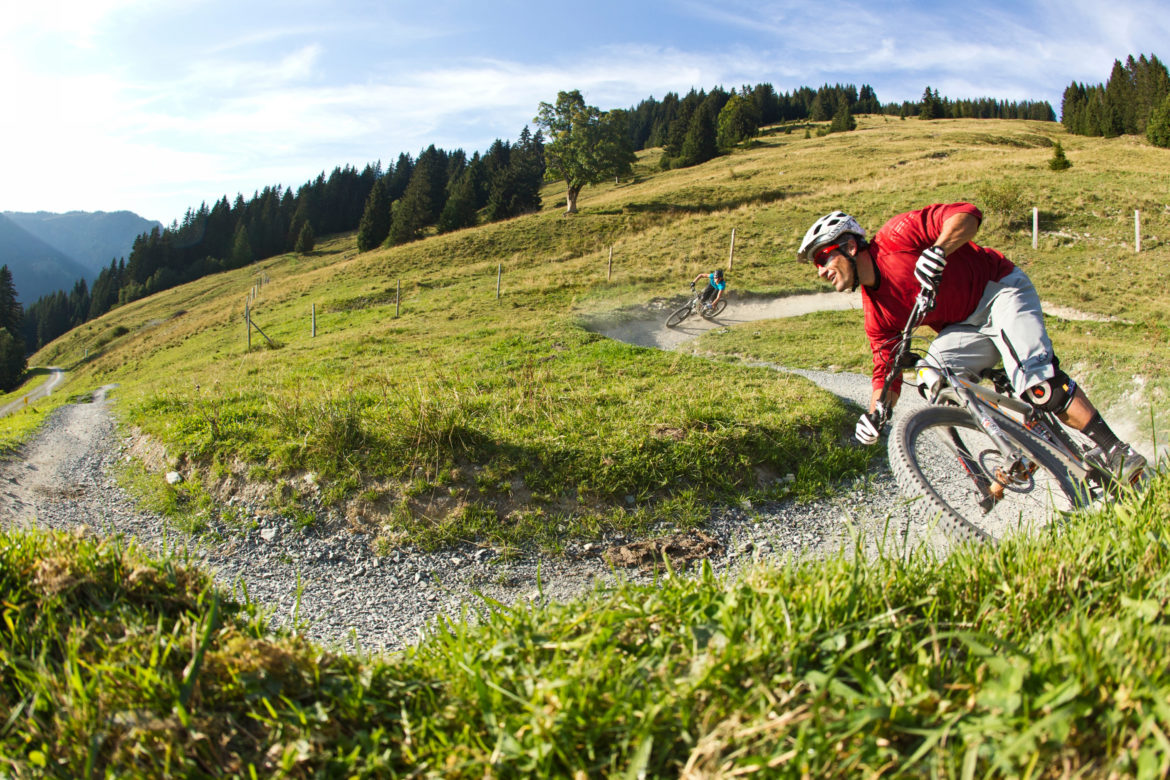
x,y
696,305
981,461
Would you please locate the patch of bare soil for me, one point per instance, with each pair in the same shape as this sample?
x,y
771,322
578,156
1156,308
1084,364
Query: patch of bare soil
x,y
649,555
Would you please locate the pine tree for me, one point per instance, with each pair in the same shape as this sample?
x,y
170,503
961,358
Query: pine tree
x,y
931,105
375,224
1158,128
10,311
459,211
12,360
699,145
843,120
411,213
1059,162
432,165
867,102
306,240
241,248
819,110
1118,114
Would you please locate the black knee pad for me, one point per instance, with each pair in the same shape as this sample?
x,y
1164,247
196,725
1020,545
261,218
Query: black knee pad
x,y
1052,395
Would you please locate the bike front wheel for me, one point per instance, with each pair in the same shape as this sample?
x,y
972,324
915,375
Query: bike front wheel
x,y
679,315
716,309
953,473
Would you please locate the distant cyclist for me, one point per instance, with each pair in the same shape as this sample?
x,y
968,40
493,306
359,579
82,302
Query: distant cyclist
x,y
715,287
985,310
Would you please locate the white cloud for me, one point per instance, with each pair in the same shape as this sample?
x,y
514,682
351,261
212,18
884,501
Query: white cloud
x,y
242,104
76,22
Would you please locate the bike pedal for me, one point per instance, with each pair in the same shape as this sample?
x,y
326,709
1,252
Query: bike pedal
x,y
995,490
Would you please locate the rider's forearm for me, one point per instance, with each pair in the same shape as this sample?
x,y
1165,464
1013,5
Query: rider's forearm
x,y
891,399
957,230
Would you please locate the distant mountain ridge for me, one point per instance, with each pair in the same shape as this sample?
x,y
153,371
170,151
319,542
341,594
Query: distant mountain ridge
x,y
47,252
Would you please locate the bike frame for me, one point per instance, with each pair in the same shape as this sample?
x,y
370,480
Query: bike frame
x,y
990,408
696,304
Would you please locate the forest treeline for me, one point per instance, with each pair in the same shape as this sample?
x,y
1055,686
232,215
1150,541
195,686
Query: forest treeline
x,y
667,123
440,191
1135,101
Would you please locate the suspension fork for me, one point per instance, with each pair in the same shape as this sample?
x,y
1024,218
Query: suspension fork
x,y
1017,464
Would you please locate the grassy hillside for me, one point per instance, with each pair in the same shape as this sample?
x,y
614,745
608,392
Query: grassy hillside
x,y
467,416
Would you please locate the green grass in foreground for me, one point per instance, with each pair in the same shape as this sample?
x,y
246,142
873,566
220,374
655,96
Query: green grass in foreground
x,y
1041,657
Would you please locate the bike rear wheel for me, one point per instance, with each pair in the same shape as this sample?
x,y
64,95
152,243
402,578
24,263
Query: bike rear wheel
x,y
679,315
953,472
716,309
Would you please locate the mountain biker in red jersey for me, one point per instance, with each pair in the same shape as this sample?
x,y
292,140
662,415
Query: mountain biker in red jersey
x,y
985,310
715,287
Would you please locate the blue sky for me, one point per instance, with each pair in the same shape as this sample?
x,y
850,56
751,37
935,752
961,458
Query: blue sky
x,y
157,106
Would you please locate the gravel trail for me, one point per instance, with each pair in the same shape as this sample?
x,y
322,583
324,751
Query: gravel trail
x,y
329,578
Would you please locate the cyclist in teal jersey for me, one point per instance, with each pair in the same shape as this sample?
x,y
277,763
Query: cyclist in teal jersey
x,y
715,287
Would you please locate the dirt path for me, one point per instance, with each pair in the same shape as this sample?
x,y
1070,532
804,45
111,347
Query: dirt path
x,y
59,479
56,376
645,326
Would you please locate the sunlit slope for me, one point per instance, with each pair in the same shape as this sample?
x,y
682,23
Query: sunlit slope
x,y
468,415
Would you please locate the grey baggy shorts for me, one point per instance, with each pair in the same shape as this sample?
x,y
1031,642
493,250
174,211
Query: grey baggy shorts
x,y
1007,325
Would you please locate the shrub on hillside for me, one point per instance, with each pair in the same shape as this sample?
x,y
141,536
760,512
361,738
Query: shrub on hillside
x,y
1004,199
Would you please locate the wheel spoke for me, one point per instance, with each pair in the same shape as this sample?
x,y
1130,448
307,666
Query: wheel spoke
x,y
941,455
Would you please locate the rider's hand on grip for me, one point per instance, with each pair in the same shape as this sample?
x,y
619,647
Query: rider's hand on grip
x,y
929,268
870,424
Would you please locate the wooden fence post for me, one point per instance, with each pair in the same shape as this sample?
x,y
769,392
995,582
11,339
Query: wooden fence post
x,y
1137,230
731,254
314,320
499,275
248,323
609,271
1035,227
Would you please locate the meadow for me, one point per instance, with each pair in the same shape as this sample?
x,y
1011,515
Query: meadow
x,y
450,414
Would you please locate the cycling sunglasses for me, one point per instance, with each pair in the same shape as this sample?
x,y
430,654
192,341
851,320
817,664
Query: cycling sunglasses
x,y
821,256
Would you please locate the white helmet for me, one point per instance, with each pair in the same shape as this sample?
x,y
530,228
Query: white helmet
x,y
825,231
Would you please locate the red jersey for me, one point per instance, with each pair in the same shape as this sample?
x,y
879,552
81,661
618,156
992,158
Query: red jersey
x,y
895,250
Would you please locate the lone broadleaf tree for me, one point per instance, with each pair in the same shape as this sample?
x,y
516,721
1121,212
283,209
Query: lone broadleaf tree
x,y
585,145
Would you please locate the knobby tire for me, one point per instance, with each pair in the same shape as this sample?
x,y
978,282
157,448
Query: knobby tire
x,y
716,310
679,315
923,449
